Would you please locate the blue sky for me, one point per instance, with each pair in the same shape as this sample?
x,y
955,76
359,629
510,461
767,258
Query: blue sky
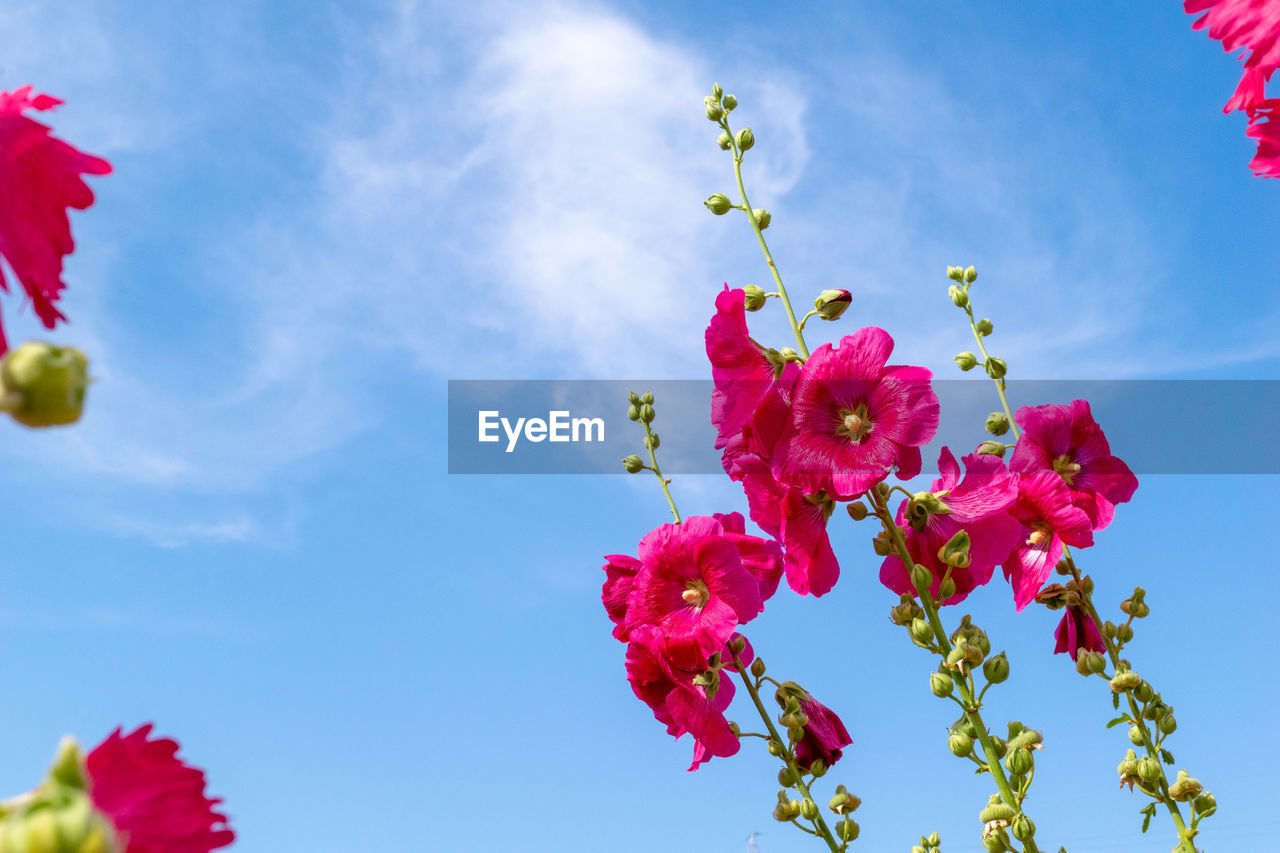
x,y
323,212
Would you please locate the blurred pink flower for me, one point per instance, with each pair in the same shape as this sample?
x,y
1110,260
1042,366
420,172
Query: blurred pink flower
x,y
1049,520
824,735
740,369
1077,631
156,801
41,179
619,575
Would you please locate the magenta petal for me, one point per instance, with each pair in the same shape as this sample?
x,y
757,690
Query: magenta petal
x,y
810,564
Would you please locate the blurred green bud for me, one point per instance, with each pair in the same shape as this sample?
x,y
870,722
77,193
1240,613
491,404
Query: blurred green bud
x,y
808,809
996,669
818,768
1205,804
1135,736
43,385
921,632
956,274
881,545
1125,681
730,103
633,398
941,685
971,275
715,112
755,297
1022,827
955,551
848,830
789,354
652,442
906,611
718,203
992,448
830,304
958,297
921,577
633,412
725,141
746,139
632,463
647,398
1148,770
997,811
1144,692
993,843
1090,663
996,368
997,423
717,91
960,744
857,510
1168,724
946,589
647,414
757,667
1019,760
933,840
984,327
1000,745
966,361
776,749
763,217
1124,632
787,777
1185,787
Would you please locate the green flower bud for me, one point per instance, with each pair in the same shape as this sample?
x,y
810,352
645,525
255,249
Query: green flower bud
x,y
763,217
746,139
1090,663
992,448
1185,788
955,552
808,808
647,398
946,589
818,768
776,749
996,368
1022,827
757,667
789,354
633,398
652,442
1125,681
1168,725
956,274
848,830
830,304
966,361
730,103
996,669
1124,632
1135,736
843,802
993,843
717,91
633,412
971,275
1144,692
43,385
857,510
921,577
780,813
632,463
984,327
1000,746
1148,770
934,840
787,777
963,725
715,112
1019,760
997,423
718,203
725,141
1025,737
997,811
755,297
1205,804
958,297
647,414
960,744
941,685
1128,770
881,545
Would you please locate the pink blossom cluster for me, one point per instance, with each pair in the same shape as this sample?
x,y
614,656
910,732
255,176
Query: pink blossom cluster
x,y
1252,26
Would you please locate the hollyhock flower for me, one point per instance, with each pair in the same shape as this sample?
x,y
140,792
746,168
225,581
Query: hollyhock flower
x,y
620,573
674,677
1264,126
824,735
155,800
1049,520
41,179
692,584
855,418
742,370
976,504
1068,441
1077,631
761,557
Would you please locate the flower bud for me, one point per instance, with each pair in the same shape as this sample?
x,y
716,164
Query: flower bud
x,y
1148,770
1185,787
941,685
1205,804
921,632
955,552
1135,736
993,843
996,368
857,510
881,545
958,297
946,589
725,141
847,829
1144,692
997,811
746,139
997,423
787,777
818,768
776,749
996,669
960,744
1022,827
43,385
763,217
1019,760
1000,746
632,463
730,103
633,411
934,840
633,398
984,327
757,667
715,112
808,808
718,203
647,398
966,361
1125,681
971,275
1124,632
1128,770
755,297
1168,724
647,413
717,92
955,274
789,354
1090,663
652,442
830,304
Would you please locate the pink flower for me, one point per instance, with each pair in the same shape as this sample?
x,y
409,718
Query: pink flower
x,y
1048,519
855,419
41,179
740,368
1252,25
673,676
824,735
692,584
977,504
156,801
1077,631
620,572
1068,441
761,557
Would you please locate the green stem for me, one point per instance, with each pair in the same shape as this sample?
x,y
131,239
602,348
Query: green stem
x,y
662,481
1184,836
764,246
787,756
973,326
881,510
